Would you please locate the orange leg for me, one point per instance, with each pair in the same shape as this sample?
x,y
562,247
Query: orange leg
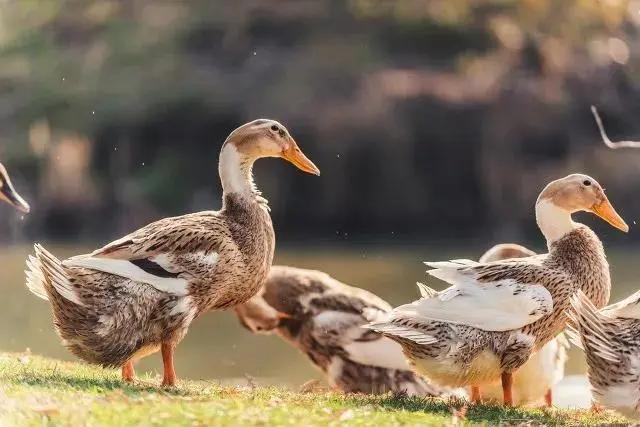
x,y
169,378
548,398
128,373
507,382
476,396
596,408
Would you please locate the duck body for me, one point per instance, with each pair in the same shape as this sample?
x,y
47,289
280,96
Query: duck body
x,y
222,264
323,318
496,314
610,339
140,293
461,354
534,380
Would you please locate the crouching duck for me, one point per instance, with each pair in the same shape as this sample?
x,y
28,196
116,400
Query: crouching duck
x,y
323,318
495,315
140,293
610,338
8,194
534,380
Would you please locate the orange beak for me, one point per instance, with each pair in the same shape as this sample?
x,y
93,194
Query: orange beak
x,y
9,195
294,155
605,210
280,315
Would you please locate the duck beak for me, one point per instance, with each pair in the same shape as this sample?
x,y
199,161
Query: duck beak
x,y
294,155
282,316
605,210
9,195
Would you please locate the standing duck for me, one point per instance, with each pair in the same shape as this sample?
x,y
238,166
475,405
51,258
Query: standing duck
x,y
140,293
9,194
610,338
485,326
534,380
323,318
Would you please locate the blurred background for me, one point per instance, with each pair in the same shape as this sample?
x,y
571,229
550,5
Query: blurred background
x,y
435,123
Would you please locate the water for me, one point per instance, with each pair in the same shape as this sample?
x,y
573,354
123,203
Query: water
x,y
218,348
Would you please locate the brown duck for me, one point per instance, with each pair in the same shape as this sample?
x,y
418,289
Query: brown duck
x,y
323,318
140,293
485,326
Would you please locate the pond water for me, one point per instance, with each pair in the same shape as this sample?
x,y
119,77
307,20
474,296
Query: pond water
x,y
218,348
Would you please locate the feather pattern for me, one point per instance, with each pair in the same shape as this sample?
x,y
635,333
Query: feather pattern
x,y
610,339
323,318
126,298
497,313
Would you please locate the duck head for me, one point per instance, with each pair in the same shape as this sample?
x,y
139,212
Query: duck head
x,y
268,138
9,194
573,193
258,316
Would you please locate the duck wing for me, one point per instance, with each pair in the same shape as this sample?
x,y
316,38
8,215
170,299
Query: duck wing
x,y
628,308
165,254
590,329
497,296
339,325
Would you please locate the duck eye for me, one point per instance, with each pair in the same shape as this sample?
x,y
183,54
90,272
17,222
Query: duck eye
x,y
275,128
586,182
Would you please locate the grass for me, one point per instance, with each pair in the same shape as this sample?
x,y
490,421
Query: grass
x,y
39,391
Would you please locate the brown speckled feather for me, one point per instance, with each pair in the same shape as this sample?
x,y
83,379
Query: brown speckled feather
x,y
610,339
323,319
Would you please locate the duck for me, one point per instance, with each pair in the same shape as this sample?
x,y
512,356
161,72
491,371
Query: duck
x,y
323,318
8,193
138,294
610,339
533,381
496,314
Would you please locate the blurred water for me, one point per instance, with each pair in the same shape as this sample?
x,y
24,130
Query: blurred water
x,y
217,347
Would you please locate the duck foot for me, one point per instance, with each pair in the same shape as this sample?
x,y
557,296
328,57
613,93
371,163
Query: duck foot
x,y
169,378
476,396
507,393
128,372
548,398
596,408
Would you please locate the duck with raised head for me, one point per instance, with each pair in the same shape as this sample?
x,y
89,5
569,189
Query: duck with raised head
x,y
610,339
534,381
495,315
323,318
140,293
9,195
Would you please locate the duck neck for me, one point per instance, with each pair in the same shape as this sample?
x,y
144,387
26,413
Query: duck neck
x,y
553,221
235,171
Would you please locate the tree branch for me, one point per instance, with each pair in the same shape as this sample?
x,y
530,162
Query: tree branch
x,y
605,138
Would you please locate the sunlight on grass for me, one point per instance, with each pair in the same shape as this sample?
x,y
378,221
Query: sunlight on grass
x,y
38,391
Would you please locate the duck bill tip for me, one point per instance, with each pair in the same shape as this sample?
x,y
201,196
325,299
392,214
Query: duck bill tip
x,y
296,157
15,200
606,211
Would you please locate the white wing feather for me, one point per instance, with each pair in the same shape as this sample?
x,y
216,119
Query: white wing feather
x,y
123,268
588,331
628,308
502,305
425,291
345,330
383,353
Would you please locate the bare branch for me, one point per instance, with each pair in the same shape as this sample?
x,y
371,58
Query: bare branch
x,y
605,138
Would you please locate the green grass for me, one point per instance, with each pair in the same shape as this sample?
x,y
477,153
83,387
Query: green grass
x,y
38,391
